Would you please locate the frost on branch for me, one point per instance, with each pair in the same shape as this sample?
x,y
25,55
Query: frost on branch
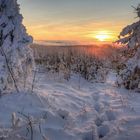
x,y
130,37
16,58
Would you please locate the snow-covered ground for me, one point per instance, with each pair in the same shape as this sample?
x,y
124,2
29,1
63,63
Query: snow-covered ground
x,y
71,110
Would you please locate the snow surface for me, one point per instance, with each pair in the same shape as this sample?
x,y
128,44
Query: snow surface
x,y
73,110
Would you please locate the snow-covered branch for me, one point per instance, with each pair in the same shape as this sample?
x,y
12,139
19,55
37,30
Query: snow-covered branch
x,y
16,56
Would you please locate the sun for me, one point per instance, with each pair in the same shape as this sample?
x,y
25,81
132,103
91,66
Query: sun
x,y
102,36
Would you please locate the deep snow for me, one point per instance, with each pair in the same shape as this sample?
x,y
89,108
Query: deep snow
x,y
71,110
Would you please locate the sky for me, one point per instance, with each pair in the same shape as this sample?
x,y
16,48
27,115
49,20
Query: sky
x,y
77,20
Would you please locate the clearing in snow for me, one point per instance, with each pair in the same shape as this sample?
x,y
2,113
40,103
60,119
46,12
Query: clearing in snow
x,y
69,110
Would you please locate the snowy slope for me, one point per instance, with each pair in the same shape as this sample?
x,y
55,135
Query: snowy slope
x,y
73,110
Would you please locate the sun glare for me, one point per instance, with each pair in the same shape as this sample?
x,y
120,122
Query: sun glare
x,y
103,36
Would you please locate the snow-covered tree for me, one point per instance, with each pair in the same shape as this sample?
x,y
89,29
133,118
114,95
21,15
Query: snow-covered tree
x,y
130,37
16,58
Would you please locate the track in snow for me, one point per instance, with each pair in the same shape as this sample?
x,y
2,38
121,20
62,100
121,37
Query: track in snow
x,y
77,111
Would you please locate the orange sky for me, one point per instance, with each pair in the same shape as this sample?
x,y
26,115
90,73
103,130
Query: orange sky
x,y
72,31
80,20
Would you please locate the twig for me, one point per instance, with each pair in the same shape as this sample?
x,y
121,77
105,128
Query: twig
x,y
35,72
9,69
29,123
6,59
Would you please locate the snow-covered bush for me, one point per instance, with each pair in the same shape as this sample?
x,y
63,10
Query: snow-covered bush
x,y
16,59
129,76
70,60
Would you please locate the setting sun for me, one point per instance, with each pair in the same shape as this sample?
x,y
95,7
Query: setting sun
x,y
103,36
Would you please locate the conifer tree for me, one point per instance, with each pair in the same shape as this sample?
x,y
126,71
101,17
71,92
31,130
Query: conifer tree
x,y
130,37
16,58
